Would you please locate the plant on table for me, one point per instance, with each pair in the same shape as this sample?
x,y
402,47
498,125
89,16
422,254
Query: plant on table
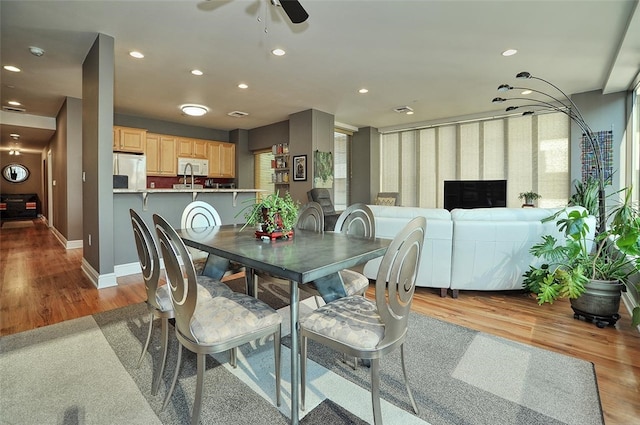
x,y
570,266
273,212
529,197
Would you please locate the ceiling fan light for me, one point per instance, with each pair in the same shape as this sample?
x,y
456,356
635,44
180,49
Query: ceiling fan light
x,y
504,87
524,75
498,100
194,110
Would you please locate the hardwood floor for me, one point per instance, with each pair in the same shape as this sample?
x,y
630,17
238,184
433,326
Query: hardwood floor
x,y
41,284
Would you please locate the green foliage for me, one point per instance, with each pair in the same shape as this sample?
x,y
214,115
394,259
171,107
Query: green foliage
x,y
529,196
569,266
267,209
586,195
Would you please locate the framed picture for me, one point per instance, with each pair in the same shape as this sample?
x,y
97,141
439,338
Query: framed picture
x,y
300,168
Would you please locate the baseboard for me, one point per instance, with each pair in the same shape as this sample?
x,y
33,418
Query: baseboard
x,y
100,281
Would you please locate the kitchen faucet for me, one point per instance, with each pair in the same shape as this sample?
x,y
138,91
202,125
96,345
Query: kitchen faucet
x,y
184,177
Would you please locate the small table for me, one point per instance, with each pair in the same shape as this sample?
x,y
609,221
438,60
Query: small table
x,y
306,257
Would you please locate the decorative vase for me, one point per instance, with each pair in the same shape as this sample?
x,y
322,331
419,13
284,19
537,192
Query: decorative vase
x,y
599,303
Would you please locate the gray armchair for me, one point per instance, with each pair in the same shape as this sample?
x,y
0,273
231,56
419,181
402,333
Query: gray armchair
x,y
323,197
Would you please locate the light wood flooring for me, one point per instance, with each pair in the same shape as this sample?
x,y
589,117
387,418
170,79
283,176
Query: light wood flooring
x,y
41,283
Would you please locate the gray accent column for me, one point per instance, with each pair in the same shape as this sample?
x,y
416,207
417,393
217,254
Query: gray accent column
x,y
97,161
365,165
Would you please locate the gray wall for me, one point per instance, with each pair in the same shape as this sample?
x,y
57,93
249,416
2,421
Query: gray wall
x,y
244,159
364,145
32,185
97,157
266,136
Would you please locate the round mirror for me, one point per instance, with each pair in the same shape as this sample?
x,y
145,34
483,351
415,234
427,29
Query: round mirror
x,y
15,173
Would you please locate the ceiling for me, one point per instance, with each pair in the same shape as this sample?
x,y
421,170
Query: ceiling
x,y
441,58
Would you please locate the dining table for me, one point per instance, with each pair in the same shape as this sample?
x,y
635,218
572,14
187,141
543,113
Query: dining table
x,y
305,257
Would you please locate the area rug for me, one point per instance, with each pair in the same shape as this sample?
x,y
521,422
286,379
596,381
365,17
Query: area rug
x,y
84,371
20,224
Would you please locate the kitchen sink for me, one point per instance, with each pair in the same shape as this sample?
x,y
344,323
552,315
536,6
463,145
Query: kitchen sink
x,y
188,186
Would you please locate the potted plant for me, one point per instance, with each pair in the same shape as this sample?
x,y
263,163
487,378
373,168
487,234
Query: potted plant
x,y
591,279
529,197
276,215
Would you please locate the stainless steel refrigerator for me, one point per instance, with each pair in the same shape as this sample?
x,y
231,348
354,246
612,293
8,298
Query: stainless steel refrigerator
x,y
134,167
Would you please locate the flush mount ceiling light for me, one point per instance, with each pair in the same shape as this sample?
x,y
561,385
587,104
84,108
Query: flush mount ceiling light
x,y
12,68
36,51
509,52
136,54
194,110
278,52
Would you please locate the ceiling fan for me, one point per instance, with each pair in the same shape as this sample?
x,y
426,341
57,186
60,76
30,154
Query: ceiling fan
x,y
293,9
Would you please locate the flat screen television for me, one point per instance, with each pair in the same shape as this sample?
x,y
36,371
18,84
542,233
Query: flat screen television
x,y
475,194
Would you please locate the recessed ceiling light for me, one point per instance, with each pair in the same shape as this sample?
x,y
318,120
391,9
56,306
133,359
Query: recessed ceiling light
x,y
136,54
509,52
409,112
278,52
12,68
194,110
526,92
196,72
36,51
363,91
14,103
243,86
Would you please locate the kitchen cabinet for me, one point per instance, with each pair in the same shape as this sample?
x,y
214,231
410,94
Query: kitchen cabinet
x,y
192,148
161,155
222,159
127,139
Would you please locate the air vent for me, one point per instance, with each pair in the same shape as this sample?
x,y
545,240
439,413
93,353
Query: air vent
x,y
403,109
13,109
237,114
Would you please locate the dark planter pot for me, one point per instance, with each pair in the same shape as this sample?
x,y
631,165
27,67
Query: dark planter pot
x,y
599,303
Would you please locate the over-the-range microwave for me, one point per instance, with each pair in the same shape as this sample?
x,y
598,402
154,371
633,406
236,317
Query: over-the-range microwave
x,y
200,166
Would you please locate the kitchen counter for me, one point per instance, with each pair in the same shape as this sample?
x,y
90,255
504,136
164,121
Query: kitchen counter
x,y
169,203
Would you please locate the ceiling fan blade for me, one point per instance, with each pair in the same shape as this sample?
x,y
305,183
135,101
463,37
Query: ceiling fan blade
x,y
294,11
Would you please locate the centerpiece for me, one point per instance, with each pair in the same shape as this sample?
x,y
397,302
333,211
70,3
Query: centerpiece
x,y
272,214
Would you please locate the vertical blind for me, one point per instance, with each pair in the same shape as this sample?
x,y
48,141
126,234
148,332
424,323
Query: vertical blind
x,y
530,152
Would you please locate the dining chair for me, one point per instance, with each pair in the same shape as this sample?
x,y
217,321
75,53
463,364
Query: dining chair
x,y
158,298
200,214
371,329
207,324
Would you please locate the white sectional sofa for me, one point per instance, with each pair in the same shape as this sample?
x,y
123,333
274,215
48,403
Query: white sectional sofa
x,y
482,249
435,261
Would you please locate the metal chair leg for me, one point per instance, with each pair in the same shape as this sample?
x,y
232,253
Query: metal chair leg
x,y
375,391
277,350
146,344
197,403
165,348
175,378
303,371
406,381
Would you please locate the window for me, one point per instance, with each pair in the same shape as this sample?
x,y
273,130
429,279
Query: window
x,y
263,173
530,152
341,169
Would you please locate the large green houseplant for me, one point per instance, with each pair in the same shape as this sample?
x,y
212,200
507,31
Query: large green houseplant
x,y
272,212
568,267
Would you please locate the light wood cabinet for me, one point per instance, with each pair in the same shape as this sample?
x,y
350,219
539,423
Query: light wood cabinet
x,y
161,155
126,139
192,148
222,159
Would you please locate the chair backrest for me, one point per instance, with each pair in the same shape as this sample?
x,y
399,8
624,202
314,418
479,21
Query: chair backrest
x,y
387,198
199,214
396,280
148,257
357,220
181,275
310,217
322,196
